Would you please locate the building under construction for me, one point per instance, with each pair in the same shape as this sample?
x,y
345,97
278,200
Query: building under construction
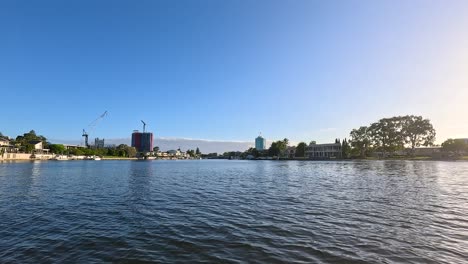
x,y
142,141
99,143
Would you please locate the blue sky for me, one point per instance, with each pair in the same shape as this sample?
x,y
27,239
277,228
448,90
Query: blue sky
x,y
226,70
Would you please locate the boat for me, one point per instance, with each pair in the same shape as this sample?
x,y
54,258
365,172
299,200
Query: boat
x,y
60,157
92,158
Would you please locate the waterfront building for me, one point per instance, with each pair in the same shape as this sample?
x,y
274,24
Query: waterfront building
x,y
4,141
290,152
425,151
174,153
69,146
37,144
5,146
143,142
38,147
260,143
323,151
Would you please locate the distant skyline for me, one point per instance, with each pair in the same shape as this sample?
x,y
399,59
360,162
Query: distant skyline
x,y
223,71
165,144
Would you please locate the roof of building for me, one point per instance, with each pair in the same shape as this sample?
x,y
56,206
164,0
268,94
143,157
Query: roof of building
x,y
324,145
34,142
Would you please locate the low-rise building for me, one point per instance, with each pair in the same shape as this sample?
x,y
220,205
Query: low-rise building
x,y
323,151
68,146
173,153
6,147
4,141
38,145
425,151
290,152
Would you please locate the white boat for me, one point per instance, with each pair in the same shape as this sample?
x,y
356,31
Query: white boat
x,y
60,157
92,158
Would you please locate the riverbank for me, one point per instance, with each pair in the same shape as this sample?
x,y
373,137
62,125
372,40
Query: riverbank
x,y
117,158
422,158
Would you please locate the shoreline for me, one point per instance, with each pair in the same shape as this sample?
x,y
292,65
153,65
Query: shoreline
x,y
462,159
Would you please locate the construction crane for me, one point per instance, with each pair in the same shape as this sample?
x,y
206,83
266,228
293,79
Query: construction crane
x,y
144,126
91,126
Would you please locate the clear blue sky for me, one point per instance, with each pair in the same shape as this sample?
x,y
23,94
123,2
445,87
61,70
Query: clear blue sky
x,y
226,70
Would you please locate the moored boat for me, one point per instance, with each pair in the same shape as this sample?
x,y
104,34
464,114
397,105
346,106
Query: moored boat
x,y
60,157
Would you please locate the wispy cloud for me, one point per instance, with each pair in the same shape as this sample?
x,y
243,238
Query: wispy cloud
x,y
328,129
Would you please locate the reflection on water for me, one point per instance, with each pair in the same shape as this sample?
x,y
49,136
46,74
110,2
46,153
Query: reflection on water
x,y
234,211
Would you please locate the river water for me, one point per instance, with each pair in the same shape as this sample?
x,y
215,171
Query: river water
x,y
234,212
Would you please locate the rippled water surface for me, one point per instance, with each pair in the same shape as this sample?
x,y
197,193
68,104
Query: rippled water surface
x,y
234,212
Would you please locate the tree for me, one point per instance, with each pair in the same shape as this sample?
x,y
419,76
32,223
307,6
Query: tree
x,y
300,149
111,152
345,149
197,151
24,140
386,134
417,131
278,147
57,148
156,149
252,151
122,150
283,145
455,145
360,140
191,152
274,149
131,152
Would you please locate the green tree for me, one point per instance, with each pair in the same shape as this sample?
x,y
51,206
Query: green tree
x,y
122,150
24,141
57,148
191,152
417,131
252,151
156,149
283,145
386,135
274,149
131,152
300,149
345,149
455,145
278,147
197,151
360,140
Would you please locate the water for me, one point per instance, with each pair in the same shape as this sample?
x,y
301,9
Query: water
x,y
234,212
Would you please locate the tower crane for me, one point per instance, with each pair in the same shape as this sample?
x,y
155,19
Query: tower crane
x,y
144,126
91,126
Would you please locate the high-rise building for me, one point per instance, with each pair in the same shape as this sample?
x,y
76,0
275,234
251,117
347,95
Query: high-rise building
x,y
260,143
98,143
143,142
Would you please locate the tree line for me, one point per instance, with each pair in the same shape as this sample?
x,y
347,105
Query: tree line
x,y
384,136
391,134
